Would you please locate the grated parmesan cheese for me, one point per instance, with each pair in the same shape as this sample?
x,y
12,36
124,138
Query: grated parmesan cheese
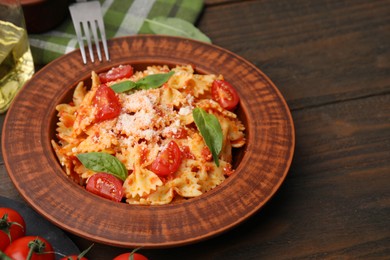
x,y
185,111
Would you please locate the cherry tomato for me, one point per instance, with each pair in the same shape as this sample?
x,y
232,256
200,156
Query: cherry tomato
x,y
127,256
105,185
40,248
167,161
12,226
120,72
224,94
107,103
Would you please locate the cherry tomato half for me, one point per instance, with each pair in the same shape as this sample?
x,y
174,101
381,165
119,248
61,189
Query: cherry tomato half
x,y
167,161
127,256
12,226
20,248
224,94
107,103
105,185
120,72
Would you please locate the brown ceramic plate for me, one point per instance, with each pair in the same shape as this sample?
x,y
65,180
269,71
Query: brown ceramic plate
x,y
261,166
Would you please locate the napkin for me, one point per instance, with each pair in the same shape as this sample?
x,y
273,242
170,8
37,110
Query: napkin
x,y
121,18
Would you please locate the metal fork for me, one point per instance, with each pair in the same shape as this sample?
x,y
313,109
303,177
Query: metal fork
x,y
87,17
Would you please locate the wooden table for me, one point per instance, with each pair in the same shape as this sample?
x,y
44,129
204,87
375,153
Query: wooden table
x,y
331,61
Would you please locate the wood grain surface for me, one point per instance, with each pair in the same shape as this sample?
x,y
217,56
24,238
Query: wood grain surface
x,y
331,61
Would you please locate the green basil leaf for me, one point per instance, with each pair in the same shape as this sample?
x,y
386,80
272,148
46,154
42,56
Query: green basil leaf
x,y
103,162
176,27
154,80
123,86
148,82
211,131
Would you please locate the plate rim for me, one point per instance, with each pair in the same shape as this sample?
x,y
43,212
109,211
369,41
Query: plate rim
x,y
180,241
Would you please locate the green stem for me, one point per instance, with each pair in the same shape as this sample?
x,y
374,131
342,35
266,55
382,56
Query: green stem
x,y
30,253
36,246
82,254
5,226
131,255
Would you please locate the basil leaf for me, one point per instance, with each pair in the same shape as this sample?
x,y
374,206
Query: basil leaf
x,y
211,131
154,80
176,27
123,86
148,82
103,162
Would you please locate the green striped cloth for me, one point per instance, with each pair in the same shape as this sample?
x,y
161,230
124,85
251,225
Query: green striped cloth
x,y
121,18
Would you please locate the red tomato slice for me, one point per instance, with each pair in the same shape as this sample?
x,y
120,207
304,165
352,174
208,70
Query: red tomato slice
x,y
127,256
105,185
120,72
12,226
19,249
107,103
167,161
224,94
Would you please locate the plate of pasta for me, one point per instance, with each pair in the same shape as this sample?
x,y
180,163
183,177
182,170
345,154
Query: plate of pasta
x,y
171,142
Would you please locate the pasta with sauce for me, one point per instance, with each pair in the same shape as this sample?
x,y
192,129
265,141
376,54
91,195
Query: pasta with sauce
x,y
148,120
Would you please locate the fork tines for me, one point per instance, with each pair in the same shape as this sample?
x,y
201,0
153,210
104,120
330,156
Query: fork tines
x,y
87,17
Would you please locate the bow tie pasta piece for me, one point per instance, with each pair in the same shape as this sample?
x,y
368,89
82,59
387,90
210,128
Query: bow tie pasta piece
x,y
186,185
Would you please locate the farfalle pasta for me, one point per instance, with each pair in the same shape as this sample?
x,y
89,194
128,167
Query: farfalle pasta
x,y
145,123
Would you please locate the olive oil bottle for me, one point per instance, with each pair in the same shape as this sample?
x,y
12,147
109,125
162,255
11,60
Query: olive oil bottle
x,y
16,63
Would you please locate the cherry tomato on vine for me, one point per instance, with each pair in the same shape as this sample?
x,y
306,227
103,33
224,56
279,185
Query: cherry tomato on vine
x,y
224,94
12,226
167,161
38,247
120,72
106,103
105,185
127,256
